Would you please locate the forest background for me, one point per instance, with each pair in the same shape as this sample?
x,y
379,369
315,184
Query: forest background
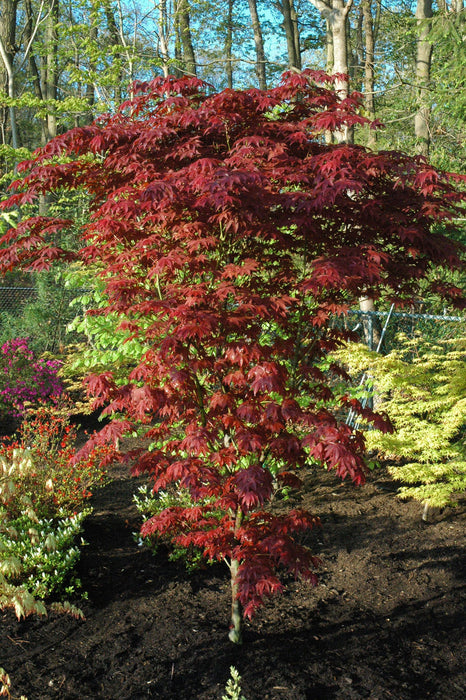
x,y
64,62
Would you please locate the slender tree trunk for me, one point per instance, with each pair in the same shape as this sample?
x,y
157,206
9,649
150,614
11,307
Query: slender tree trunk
x,y
369,101
329,47
115,39
329,67
51,65
8,50
189,58
335,12
178,50
229,44
290,24
423,63
259,44
163,36
33,69
296,34
235,633
338,23
90,90
371,324
357,71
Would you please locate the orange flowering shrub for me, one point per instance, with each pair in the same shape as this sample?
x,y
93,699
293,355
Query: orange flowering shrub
x,y
50,479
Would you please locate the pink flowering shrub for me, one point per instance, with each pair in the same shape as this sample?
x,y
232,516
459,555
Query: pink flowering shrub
x,y
25,379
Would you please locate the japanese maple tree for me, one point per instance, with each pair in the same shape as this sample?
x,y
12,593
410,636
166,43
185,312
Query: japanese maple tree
x,y
227,232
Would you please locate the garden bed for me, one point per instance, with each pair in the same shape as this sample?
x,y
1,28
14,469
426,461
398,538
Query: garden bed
x,y
385,621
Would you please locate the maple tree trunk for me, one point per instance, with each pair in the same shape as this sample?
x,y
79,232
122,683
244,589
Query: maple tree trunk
x,y
235,633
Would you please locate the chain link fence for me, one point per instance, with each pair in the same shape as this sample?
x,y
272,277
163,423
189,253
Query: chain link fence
x,y
379,330
41,313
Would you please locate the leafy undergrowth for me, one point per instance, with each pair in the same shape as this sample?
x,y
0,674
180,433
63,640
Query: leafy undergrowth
x,y
384,622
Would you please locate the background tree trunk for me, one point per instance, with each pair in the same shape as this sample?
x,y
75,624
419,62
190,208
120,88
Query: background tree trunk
x,y
229,44
8,50
423,63
115,40
335,12
259,44
369,102
163,36
189,58
90,91
32,64
290,24
51,66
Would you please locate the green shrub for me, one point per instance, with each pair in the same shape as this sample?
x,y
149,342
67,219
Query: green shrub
x,y
39,554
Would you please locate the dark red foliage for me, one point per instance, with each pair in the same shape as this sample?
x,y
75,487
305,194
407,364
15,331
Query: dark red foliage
x,y
228,223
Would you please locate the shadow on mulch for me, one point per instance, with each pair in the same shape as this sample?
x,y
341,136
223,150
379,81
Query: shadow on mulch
x,y
386,620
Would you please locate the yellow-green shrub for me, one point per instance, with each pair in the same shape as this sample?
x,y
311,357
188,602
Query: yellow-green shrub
x,y
422,387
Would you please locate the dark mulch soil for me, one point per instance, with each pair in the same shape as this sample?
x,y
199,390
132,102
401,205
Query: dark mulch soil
x,y
386,621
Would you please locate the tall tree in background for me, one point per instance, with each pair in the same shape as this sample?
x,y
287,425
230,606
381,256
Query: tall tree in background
x,y
7,75
335,13
50,66
423,66
229,44
188,59
259,44
93,36
291,27
64,61
448,85
369,58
